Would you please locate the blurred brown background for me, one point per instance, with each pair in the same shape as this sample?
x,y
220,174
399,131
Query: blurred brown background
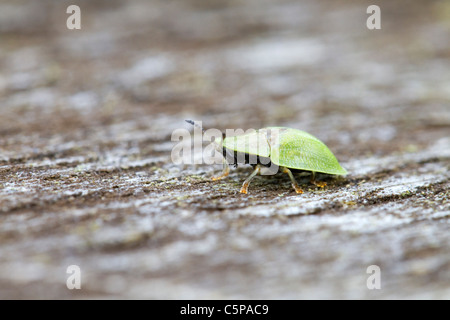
x,y
86,178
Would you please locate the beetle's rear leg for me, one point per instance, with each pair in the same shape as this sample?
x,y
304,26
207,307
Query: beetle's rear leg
x,y
294,182
225,172
250,177
320,184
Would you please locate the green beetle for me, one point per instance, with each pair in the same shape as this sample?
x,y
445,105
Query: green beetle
x,y
284,148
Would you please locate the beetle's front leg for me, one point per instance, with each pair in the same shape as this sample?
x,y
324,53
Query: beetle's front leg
x,y
225,172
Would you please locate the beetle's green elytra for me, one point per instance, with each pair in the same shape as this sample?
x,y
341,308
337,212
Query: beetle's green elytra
x,y
287,148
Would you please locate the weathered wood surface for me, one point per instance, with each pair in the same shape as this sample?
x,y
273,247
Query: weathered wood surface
x,y
86,176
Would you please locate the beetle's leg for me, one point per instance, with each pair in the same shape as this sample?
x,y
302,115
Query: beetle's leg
x,y
250,177
225,172
320,184
294,182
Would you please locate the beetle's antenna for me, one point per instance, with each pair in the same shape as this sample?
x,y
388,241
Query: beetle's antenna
x,y
203,130
219,148
195,125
